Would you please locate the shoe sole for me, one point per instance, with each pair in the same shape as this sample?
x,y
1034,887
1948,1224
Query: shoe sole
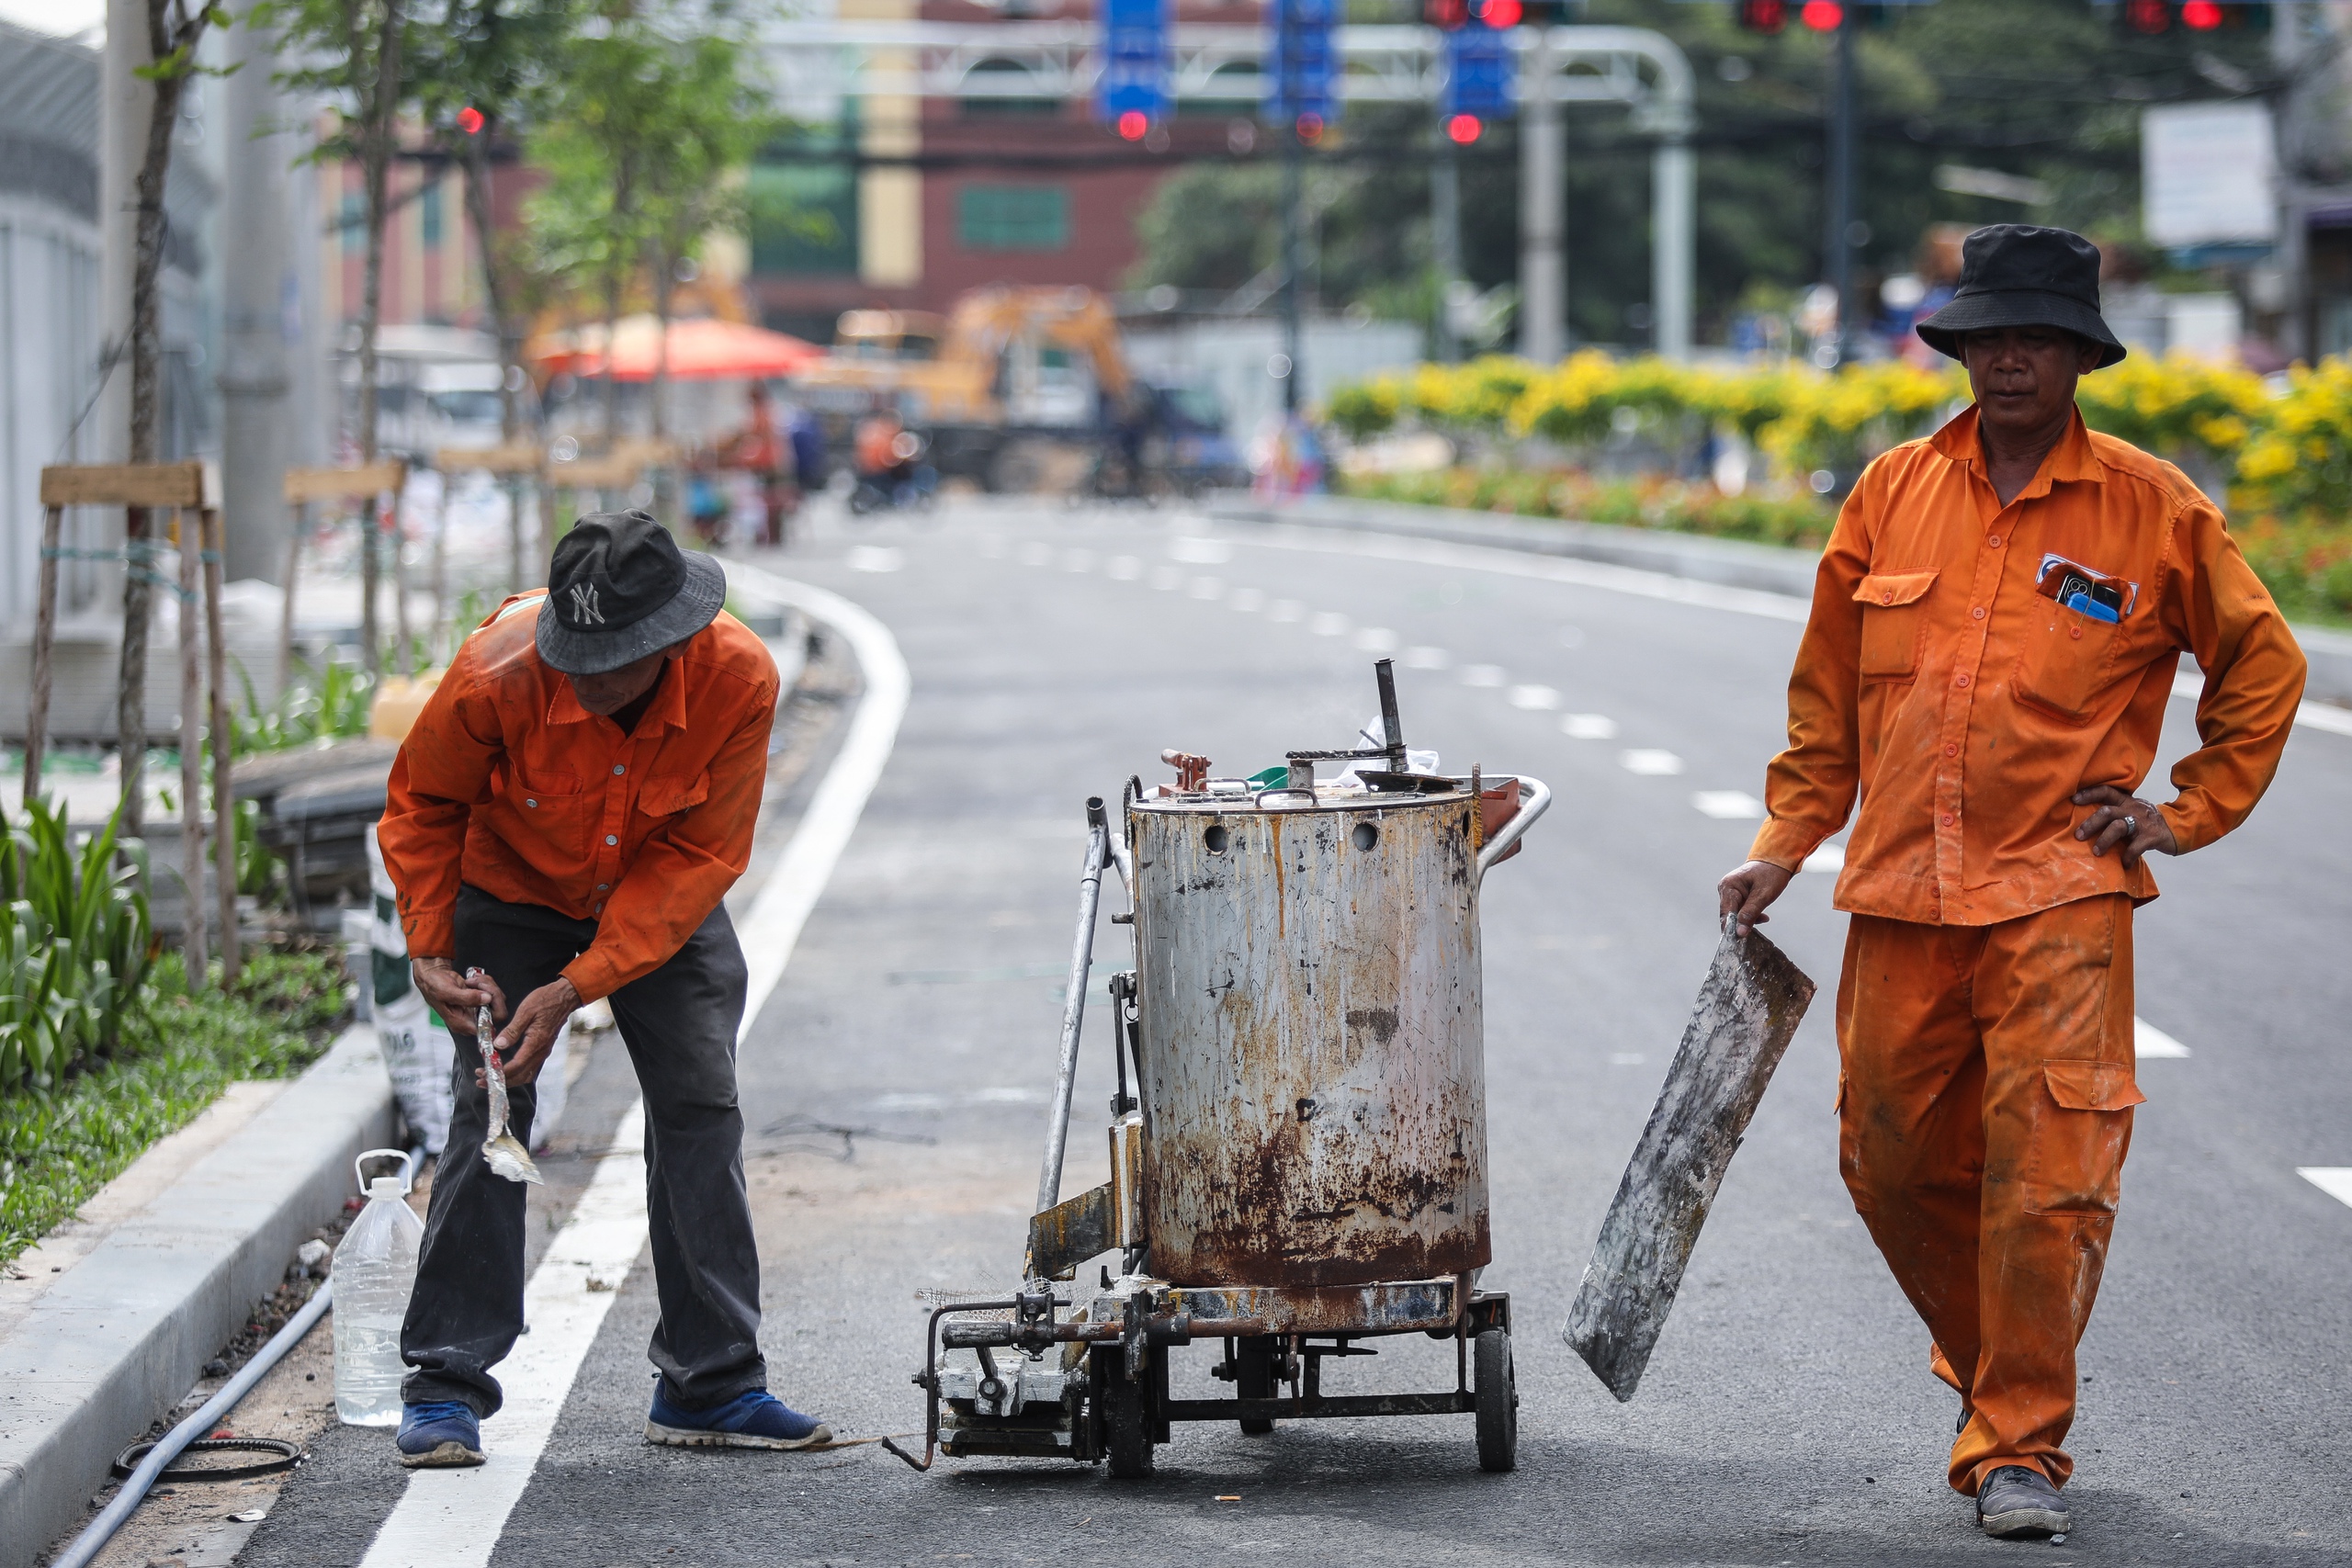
x,y
689,1437
2010,1524
452,1455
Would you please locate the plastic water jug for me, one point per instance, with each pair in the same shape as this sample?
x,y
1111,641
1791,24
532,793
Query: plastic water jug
x,y
373,1272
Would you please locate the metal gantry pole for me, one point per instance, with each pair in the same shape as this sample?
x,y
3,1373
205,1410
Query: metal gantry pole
x,y
1294,261
1837,246
1445,240
1542,272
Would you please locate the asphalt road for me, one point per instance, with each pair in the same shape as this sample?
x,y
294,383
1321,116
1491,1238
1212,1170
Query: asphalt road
x,y
895,1085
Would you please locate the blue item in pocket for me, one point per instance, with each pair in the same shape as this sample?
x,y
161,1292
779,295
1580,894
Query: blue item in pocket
x,y
2083,604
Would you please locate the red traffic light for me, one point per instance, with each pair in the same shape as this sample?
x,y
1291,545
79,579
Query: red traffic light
x,y
1462,128
1763,16
469,121
1445,14
1310,128
1823,16
2200,16
1500,13
1133,125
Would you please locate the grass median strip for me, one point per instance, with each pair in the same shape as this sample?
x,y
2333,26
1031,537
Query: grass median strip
x,y
58,1144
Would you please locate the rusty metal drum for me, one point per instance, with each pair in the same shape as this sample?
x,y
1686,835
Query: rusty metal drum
x,y
1311,1048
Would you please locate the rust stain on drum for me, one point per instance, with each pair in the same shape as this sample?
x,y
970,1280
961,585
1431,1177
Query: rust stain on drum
x,y
1313,1076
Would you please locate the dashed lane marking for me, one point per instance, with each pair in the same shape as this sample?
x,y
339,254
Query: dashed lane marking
x,y
1729,804
1650,762
2148,1041
1587,727
1534,699
2336,1180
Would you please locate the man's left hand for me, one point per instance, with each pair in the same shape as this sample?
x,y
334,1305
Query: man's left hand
x,y
2122,822
530,1034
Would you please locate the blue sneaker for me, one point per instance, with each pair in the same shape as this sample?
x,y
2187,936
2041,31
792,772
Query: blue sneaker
x,y
440,1434
753,1420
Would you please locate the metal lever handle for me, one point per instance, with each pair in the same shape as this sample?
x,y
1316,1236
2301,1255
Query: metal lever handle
x,y
1534,798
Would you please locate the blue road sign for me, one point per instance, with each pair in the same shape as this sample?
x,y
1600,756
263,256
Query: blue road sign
x,y
1138,63
1304,79
1479,67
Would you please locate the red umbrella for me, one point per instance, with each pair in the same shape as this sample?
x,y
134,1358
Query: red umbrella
x,y
703,349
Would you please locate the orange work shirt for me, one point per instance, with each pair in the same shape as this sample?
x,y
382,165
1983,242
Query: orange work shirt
x,y
508,783
1961,708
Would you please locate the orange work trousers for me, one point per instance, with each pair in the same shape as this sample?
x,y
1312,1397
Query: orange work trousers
x,y
1984,1105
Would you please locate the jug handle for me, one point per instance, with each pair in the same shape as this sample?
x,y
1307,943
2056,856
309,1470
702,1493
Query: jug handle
x,y
408,1166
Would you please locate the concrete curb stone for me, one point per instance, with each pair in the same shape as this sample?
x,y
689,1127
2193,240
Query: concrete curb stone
x,y
124,1332
1732,563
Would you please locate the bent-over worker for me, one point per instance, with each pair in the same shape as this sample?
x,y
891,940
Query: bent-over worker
x,y
1991,649
565,816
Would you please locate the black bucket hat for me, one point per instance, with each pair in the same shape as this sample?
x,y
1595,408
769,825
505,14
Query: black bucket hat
x,y
619,588
2014,275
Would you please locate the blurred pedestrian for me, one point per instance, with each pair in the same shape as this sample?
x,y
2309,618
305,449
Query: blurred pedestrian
x,y
759,450
1986,668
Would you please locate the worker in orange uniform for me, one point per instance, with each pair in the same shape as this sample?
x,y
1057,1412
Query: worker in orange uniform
x,y
564,819
1994,627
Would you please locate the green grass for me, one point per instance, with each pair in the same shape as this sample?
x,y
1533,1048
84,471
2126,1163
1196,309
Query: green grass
x,y
59,1146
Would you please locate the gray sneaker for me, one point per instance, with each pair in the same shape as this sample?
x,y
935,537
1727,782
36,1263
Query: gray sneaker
x,y
2018,1503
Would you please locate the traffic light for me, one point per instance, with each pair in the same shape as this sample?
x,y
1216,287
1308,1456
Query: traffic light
x,y
1822,16
2155,19
1463,129
1446,16
1763,16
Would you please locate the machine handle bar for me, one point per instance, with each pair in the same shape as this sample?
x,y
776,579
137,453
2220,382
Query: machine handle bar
x,y
1534,796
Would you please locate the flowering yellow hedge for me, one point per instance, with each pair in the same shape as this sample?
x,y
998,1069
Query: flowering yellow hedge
x,y
2289,451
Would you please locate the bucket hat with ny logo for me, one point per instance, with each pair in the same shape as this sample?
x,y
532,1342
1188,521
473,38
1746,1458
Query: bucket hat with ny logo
x,y
619,588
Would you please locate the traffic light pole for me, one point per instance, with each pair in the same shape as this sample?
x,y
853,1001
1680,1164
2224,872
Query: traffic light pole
x,y
1543,269
1294,262
1445,241
1838,249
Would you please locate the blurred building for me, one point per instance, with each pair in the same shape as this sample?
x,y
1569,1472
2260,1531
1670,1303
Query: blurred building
x,y
908,202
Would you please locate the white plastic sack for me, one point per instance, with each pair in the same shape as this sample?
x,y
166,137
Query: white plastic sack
x,y
419,1051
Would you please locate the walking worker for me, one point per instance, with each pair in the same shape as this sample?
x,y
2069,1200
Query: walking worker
x,y
1987,668
565,816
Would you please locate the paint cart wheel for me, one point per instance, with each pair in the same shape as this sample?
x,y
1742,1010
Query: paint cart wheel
x,y
1254,1379
1125,1417
1497,1395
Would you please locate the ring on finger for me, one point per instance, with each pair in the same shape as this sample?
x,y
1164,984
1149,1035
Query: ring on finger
x,y
2131,828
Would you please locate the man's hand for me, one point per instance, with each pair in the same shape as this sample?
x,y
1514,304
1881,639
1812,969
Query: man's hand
x,y
530,1035
2125,823
454,996
1748,891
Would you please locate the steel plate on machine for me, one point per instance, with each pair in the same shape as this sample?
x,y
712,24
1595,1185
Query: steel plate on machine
x,y
1395,1306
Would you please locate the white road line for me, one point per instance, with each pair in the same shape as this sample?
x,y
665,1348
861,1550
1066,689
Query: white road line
x,y
1587,727
1534,699
1034,554
2336,1180
453,1519
1729,804
1550,568
875,557
2148,1041
1199,551
1650,762
1425,658
2308,716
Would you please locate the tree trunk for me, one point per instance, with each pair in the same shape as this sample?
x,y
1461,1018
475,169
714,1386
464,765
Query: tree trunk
x,y
146,377
613,284
494,286
378,126
664,271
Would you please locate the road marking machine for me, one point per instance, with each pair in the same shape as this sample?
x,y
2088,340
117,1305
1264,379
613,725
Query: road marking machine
x,y
1298,1140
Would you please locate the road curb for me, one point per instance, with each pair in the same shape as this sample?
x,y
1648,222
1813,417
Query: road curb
x,y
124,1332
1732,563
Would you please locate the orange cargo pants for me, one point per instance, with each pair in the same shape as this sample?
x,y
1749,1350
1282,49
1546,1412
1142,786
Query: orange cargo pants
x,y
1984,1106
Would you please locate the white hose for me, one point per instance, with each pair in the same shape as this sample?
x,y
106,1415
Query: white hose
x,y
95,1536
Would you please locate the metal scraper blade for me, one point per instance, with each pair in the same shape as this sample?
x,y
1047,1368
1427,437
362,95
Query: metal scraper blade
x,y
1748,1010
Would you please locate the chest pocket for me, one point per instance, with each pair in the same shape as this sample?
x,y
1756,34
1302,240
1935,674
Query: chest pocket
x,y
1895,622
668,797
2067,660
551,808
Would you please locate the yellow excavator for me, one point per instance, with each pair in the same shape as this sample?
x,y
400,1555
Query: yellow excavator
x,y
1016,388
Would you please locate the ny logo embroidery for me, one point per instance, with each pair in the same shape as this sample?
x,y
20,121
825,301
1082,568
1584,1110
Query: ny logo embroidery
x,y
584,605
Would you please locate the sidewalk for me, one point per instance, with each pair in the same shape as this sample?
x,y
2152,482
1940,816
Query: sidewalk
x,y
107,1323
1733,563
